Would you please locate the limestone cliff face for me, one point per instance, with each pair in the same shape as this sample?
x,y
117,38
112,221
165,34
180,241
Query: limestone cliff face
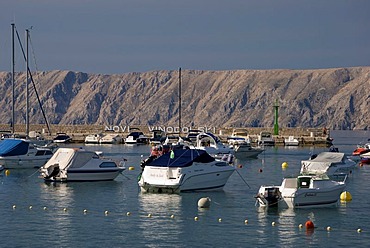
x,y
335,98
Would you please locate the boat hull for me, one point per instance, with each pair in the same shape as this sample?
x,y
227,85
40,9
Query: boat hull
x,y
169,180
19,162
74,175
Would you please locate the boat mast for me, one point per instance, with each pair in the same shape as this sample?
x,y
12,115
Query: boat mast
x,y
180,101
13,68
27,88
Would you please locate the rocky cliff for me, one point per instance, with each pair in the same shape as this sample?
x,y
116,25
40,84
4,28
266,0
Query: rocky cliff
x,y
335,98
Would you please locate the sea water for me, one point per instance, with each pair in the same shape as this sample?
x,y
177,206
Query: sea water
x,y
115,214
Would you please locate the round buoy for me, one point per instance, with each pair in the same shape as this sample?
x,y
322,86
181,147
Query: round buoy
x,y
106,212
85,211
246,222
14,206
131,168
45,208
204,202
149,215
172,216
219,220
309,225
359,230
65,209
284,165
196,218
345,196
328,229
300,226
240,166
260,170
7,172
273,223
128,213
30,207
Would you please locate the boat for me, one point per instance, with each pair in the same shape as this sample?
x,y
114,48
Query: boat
x,y
158,137
62,138
303,191
137,137
246,150
93,138
329,163
75,164
21,153
359,151
184,170
291,141
192,135
365,158
110,138
212,145
266,139
238,136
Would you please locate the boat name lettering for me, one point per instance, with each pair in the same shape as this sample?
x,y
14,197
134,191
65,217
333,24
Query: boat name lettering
x,y
310,194
156,175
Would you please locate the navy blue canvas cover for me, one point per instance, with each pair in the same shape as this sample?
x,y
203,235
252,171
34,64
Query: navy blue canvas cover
x,y
182,158
13,147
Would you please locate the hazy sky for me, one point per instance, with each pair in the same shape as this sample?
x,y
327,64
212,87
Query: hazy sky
x,y
119,36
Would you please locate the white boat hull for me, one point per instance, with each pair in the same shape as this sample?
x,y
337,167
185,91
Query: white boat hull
x,y
91,175
175,180
19,162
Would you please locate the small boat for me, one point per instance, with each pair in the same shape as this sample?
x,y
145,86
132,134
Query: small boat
x,y
20,153
304,191
192,135
93,138
137,137
62,138
238,136
184,170
329,163
365,158
212,145
266,139
291,141
246,150
110,138
75,164
158,137
361,149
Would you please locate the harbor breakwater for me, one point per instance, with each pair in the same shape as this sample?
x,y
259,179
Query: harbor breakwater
x,y
306,136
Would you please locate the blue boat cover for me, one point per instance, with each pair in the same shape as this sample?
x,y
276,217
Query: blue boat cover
x,y
13,147
182,158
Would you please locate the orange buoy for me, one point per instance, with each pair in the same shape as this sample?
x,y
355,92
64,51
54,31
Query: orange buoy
x,y
240,166
309,225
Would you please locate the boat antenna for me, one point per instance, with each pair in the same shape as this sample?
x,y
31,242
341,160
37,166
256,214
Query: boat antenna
x,y
13,68
33,84
27,88
180,102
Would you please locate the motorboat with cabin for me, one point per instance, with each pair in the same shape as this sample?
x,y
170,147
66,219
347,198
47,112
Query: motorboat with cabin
x,y
246,150
62,138
23,154
110,138
212,145
158,137
93,138
75,164
184,170
303,191
291,141
329,163
266,139
136,137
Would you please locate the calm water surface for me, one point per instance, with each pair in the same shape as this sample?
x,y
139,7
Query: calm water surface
x,y
57,217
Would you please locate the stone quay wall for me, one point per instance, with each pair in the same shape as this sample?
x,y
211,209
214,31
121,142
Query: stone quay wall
x,y
306,136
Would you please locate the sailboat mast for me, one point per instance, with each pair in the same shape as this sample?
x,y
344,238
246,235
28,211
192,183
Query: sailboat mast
x,y
13,68
180,101
27,88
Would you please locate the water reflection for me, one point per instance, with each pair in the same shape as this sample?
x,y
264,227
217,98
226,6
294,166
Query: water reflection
x,y
164,224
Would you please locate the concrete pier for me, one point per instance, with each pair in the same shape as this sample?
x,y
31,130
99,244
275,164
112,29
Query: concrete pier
x,y
306,136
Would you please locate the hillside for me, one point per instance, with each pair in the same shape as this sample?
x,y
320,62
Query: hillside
x,y
335,98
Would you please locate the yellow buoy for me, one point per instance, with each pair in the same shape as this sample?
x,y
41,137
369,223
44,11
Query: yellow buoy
x,y
219,220
128,214
7,172
284,165
196,218
131,168
359,230
345,196
300,226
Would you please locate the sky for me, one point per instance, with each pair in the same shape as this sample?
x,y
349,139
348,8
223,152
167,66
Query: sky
x,y
122,36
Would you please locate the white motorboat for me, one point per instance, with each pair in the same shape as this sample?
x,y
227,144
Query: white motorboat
x,y
212,145
74,164
137,137
184,170
329,163
62,138
291,141
266,139
304,191
20,153
238,136
93,138
246,150
158,137
110,138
